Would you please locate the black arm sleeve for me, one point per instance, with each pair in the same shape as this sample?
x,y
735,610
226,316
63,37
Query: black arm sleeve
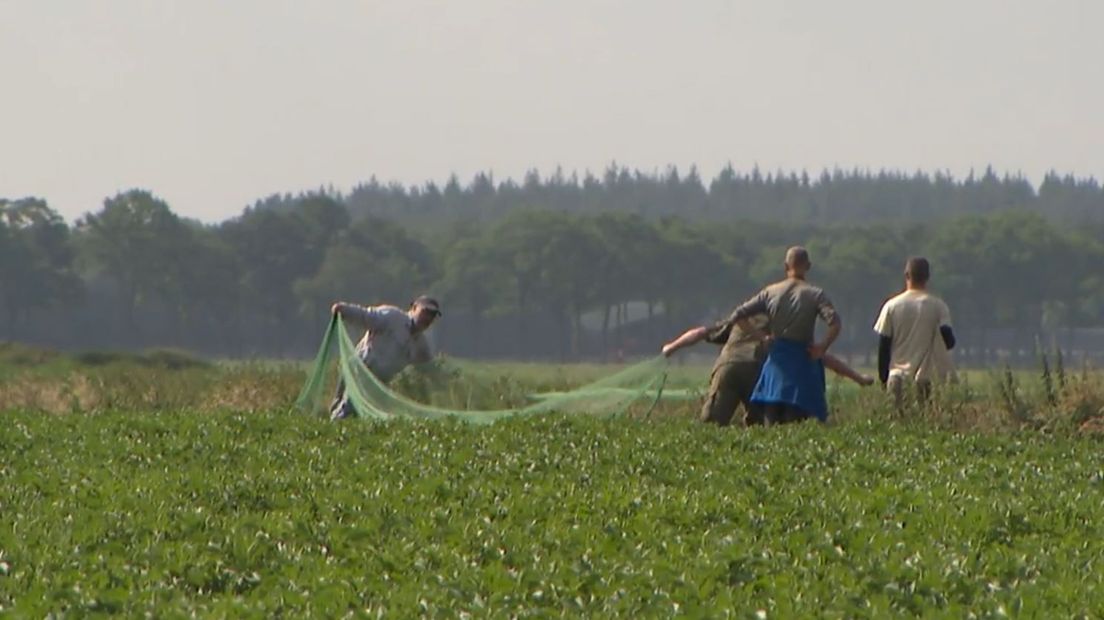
x,y
718,333
948,336
885,347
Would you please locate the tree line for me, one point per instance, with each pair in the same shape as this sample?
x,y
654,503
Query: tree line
x,y
548,268
837,196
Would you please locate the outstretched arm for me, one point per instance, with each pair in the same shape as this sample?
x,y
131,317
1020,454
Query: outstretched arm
x,y
817,351
840,367
368,317
688,338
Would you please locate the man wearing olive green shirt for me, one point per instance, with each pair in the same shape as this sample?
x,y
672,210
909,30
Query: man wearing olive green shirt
x,y
791,386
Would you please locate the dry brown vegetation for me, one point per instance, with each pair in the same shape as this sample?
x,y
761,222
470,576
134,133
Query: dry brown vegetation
x,y
1050,400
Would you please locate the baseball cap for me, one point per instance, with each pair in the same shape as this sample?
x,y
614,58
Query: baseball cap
x,y
428,303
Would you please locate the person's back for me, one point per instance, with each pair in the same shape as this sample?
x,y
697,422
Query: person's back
x,y
390,343
915,334
792,307
912,321
791,384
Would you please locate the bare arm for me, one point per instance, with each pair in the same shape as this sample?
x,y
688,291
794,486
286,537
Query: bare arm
x,y
840,367
818,350
688,338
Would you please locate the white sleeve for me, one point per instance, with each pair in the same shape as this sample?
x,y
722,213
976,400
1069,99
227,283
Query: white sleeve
x,y
884,325
371,317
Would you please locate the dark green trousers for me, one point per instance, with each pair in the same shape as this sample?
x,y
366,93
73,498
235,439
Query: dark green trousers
x,y
730,386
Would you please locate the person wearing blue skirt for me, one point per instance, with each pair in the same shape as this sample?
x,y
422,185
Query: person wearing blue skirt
x,y
791,385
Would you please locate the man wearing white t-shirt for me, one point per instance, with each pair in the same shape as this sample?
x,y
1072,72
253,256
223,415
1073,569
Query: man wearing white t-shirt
x,y
915,335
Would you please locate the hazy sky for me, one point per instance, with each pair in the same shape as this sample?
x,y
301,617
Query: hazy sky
x,y
212,104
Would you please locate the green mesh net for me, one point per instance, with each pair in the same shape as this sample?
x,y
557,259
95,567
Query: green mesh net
x,y
634,390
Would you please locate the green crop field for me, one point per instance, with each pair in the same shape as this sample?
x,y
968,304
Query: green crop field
x,y
270,514
154,485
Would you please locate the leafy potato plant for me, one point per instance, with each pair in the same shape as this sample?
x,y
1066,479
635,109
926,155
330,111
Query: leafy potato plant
x,y
270,514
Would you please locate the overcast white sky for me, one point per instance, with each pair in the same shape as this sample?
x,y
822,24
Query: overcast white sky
x,y
212,104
